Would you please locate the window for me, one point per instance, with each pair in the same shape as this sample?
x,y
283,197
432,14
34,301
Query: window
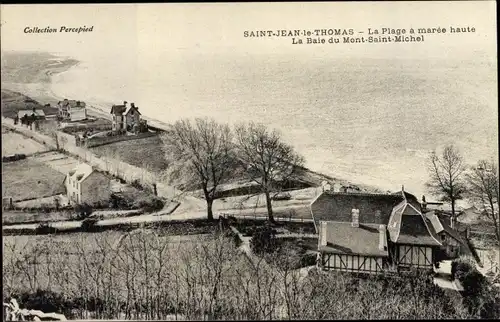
x,y
443,237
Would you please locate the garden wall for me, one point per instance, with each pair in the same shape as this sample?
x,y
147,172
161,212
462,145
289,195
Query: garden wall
x,y
80,128
117,138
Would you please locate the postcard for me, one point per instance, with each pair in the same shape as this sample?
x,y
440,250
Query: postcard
x,y
220,161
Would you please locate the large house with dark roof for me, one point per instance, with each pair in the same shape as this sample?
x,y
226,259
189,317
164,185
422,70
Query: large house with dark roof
x,y
125,116
362,232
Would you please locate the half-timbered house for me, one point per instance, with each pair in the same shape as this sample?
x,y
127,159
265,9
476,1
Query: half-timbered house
x,y
362,232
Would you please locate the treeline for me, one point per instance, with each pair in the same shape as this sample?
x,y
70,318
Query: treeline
x,y
142,275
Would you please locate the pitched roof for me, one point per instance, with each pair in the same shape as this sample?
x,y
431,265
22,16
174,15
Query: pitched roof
x,y
441,225
81,172
337,206
131,107
342,238
118,109
407,225
37,112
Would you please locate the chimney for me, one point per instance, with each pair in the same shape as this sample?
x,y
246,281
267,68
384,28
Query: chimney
x,y
424,204
452,222
125,103
132,104
381,237
323,233
355,217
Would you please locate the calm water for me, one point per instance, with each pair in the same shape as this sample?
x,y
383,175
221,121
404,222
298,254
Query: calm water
x,y
372,121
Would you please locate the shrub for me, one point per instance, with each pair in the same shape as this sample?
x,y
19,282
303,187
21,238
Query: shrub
x,y
89,224
263,240
46,301
45,228
83,211
282,196
149,203
460,266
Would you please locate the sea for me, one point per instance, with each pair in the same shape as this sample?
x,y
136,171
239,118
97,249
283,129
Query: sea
x,y
368,120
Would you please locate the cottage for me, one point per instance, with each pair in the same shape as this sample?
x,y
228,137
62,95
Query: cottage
x,y
85,185
125,117
362,232
72,110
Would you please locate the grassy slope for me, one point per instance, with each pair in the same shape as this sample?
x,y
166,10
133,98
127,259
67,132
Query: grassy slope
x,y
12,102
28,179
146,153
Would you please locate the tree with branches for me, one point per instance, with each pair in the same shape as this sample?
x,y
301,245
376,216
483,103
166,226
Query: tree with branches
x,y
447,176
268,159
203,155
482,183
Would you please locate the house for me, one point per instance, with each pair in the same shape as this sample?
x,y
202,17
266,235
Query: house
x,y
454,243
85,185
125,117
71,110
364,232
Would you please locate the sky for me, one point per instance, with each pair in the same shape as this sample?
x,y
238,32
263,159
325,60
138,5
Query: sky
x,y
217,28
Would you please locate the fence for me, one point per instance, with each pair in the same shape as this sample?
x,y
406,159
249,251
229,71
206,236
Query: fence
x,y
80,128
64,138
26,131
265,217
114,167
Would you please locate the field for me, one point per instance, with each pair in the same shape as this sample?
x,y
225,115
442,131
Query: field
x,y
29,179
146,153
15,143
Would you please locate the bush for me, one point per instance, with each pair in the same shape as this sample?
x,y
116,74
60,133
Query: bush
x,y
45,228
83,211
149,204
461,266
89,224
282,196
263,240
45,301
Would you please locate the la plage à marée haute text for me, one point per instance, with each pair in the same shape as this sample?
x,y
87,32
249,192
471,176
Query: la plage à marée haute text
x,y
398,34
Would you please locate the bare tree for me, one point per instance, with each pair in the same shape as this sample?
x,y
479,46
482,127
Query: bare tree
x,y
268,159
203,154
482,183
447,176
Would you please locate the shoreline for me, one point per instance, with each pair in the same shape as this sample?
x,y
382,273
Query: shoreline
x,y
44,93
